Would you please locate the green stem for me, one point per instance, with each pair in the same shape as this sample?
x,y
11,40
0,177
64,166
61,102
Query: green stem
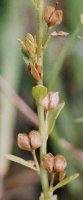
x,y
36,161
43,149
52,180
47,37
40,31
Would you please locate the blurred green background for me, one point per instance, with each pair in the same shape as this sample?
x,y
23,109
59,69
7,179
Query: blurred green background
x,y
63,72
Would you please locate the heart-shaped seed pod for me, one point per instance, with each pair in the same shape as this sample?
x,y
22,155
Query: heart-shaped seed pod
x,y
35,139
23,141
48,162
53,100
60,163
52,16
50,101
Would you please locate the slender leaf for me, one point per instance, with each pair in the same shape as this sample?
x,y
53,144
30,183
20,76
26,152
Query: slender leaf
x,y
20,161
66,181
53,116
59,62
25,58
79,120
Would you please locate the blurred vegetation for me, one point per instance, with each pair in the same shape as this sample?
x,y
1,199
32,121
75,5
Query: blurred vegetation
x,y
63,72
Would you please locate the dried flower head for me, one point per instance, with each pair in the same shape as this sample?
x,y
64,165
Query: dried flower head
x,y
29,46
60,163
59,33
35,139
23,141
50,101
36,71
52,16
48,162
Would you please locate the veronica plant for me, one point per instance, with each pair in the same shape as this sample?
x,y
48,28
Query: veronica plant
x,y
48,104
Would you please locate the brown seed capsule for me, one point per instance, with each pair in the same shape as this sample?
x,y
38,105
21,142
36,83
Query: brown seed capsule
x,y
39,69
36,71
52,16
61,175
23,141
59,163
35,139
29,45
48,162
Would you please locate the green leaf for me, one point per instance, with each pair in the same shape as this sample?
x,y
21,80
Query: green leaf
x,y
66,181
20,161
53,114
59,61
39,92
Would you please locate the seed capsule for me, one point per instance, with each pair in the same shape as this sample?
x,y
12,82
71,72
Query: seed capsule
x,y
23,141
52,16
35,139
53,99
36,71
61,175
48,161
29,45
59,163
50,101
29,141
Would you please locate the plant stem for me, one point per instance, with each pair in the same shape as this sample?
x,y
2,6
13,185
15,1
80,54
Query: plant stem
x,y
36,161
52,180
40,31
47,37
43,149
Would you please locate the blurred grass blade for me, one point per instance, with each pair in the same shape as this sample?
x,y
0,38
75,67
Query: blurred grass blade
x,y
11,28
17,101
58,64
53,116
66,181
79,120
20,161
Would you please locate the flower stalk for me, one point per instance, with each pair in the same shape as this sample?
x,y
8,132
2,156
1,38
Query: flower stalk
x,y
36,161
43,173
52,180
